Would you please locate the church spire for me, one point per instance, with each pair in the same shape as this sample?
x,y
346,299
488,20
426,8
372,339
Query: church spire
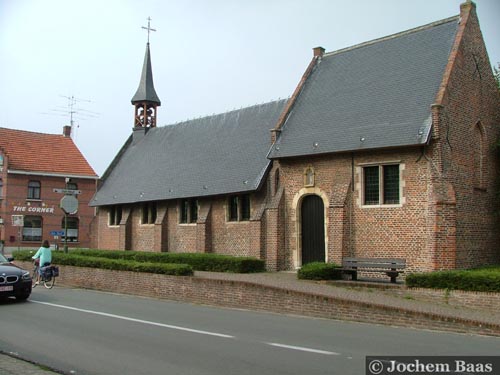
x,y
145,99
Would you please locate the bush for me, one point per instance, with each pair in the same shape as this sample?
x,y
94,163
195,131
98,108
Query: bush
x,y
480,280
77,260
199,261
320,271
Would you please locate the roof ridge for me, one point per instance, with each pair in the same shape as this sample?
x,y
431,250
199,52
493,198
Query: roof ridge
x,y
29,131
227,112
396,35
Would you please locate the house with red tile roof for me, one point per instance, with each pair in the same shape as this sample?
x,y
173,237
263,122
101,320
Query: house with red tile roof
x,y
36,171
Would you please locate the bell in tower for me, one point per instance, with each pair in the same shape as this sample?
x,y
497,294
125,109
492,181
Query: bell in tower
x,y
146,100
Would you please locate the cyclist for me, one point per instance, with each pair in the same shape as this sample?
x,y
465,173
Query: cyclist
x,y
44,254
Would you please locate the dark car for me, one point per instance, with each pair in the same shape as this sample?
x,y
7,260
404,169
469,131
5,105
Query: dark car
x,y
14,281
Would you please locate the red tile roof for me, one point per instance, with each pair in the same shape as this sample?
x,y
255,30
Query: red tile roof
x,y
39,152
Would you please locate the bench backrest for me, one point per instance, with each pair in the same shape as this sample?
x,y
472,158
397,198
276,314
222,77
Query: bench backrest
x,y
373,263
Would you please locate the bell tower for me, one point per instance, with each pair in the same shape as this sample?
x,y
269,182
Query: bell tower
x,y
146,100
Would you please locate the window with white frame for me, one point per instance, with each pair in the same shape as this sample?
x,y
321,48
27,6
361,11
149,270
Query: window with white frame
x,y
381,184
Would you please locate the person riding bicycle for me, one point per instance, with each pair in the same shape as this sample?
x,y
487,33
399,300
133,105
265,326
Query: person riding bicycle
x,y
44,254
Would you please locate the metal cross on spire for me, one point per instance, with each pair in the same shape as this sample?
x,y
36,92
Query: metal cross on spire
x,y
149,29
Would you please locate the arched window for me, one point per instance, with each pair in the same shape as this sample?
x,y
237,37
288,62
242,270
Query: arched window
x,y
479,156
276,180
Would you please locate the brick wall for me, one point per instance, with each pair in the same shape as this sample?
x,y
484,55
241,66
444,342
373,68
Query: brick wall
x,y
14,202
469,127
239,294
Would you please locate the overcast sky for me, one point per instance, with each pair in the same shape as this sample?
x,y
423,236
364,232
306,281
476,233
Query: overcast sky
x,y
208,56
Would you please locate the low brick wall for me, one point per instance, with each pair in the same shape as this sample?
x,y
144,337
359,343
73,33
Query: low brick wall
x,y
240,294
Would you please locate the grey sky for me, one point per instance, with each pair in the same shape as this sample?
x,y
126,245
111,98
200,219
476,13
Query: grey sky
x,y
208,56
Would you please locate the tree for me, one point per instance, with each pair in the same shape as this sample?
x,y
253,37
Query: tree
x,y
496,74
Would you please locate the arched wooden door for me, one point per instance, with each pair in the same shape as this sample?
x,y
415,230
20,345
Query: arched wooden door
x,y
313,229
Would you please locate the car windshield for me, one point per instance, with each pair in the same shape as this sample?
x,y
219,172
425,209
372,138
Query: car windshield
x,y
2,259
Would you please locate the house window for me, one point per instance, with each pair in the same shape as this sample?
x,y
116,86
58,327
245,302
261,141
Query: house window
x,y
115,215
1,188
71,186
72,227
149,213
309,176
381,184
34,188
188,211
32,229
239,208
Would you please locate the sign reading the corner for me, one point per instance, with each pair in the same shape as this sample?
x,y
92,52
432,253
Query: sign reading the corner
x,y
31,209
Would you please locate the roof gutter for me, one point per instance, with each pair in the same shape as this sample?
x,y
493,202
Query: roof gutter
x,y
47,174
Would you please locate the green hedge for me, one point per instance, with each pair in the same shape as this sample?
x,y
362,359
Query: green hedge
x,y
76,260
197,261
320,271
480,280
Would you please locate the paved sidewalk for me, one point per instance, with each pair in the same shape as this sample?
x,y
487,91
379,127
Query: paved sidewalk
x,y
10,365
347,290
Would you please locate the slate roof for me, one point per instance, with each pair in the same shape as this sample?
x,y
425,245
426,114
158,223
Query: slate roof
x,y
220,154
379,91
43,153
146,90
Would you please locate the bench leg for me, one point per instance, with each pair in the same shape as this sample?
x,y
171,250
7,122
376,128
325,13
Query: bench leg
x,y
354,275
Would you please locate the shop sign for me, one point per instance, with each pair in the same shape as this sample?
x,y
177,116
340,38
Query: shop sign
x,y
33,210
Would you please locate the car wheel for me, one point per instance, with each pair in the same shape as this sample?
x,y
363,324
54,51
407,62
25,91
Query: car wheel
x,y
22,296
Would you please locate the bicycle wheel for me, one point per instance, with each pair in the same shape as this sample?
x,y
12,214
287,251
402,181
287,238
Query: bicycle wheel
x,y
49,283
34,275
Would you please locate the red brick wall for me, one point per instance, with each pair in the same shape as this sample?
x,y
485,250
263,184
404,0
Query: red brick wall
x,y
212,233
15,192
470,97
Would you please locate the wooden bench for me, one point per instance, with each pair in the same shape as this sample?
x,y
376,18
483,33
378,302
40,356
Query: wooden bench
x,y
391,267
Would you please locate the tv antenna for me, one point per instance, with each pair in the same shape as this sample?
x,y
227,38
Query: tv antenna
x,y
75,112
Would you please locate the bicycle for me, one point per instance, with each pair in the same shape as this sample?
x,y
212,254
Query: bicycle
x,y
47,278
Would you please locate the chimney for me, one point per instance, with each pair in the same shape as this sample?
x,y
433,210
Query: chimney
x,y
67,131
318,51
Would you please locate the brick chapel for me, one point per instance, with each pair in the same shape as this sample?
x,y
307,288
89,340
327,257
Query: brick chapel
x,y
385,149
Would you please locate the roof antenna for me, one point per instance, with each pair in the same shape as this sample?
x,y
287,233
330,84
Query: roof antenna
x,y
149,29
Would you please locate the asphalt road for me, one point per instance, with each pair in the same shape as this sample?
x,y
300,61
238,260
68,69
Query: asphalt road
x,y
88,332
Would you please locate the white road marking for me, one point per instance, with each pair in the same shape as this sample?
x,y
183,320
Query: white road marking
x,y
136,320
301,348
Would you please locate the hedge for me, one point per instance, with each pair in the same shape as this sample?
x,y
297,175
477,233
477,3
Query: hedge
x,y
110,264
197,261
320,271
479,280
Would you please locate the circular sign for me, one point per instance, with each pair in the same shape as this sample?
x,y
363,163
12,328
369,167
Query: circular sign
x,y
69,204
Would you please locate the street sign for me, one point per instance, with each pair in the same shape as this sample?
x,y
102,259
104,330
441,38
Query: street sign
x,y
69,204
57,233
67,191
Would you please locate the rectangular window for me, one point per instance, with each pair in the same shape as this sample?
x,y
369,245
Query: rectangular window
x,y
239,208
381,184
115,215
32,230
34,188
188,211
149,213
